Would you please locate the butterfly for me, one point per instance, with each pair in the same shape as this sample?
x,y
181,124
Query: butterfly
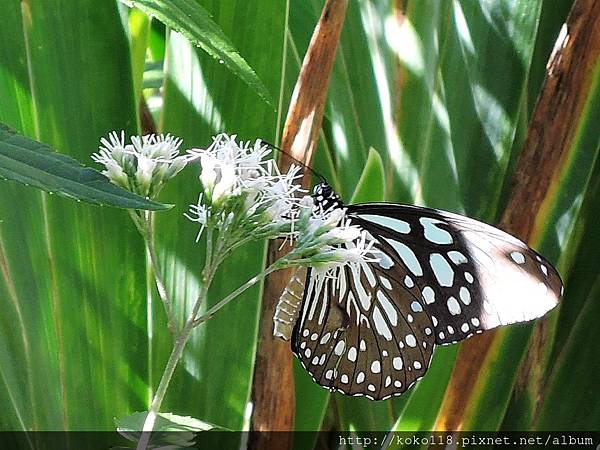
x,y
370,329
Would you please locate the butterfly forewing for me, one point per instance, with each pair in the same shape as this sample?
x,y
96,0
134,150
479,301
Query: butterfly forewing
x,y
471,276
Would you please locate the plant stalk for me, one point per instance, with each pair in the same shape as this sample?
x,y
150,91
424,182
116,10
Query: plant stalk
x,y
145,226
213,259
252,281
180,342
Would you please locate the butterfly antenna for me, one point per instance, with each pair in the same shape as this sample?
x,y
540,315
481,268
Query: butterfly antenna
x,y
297,161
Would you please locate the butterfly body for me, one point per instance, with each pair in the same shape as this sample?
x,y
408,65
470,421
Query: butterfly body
x,y
370,329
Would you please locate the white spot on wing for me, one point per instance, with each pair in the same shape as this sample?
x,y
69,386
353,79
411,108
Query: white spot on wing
x,y
385,282
351,354
465,295
370,275
428,295
410,340
388,307
375,366
457,257
380,324
518,257
453,306
385,262
416,307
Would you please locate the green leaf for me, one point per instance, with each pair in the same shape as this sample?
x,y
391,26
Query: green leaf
x,y
371,184
164,422
202,100
36,164
72,284
170,431
194,22
139,32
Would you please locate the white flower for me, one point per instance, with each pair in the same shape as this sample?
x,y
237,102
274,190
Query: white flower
x,y
343,234
142,166
199,213
208,174
143,174
115,173
226,185
245,195
229,168
237,179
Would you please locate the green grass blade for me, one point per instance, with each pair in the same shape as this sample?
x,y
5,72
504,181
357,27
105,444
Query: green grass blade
x,y
371,184
194,22
201,99
72,278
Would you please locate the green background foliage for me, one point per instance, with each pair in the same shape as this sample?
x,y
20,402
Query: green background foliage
x,y
430,108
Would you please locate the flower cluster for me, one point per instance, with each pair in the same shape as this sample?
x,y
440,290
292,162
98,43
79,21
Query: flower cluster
x,y
327,240
243,195
144,165
243,192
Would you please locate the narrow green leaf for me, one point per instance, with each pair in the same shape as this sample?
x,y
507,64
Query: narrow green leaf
x,y
371,184
170,431
36,164
139,32
194,22
164,422
201,99
570,401
72,283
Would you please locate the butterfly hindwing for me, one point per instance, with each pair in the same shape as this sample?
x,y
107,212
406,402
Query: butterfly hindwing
x,y
353,336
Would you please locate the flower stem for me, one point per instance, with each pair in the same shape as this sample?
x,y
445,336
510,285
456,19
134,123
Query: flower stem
x,y
252,281
212,262
145,226
180,342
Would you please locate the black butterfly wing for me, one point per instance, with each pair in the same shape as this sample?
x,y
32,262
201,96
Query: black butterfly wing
x,y
442,277
355,335
470,276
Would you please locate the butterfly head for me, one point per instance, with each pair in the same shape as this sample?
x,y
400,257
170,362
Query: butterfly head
x,y
325,197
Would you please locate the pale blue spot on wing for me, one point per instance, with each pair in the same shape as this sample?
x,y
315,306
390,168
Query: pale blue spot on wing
x,y
433,233
441,269
397,225
407,255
